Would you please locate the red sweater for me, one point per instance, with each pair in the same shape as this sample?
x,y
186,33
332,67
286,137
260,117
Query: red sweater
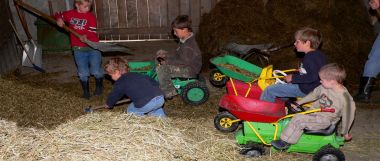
x,y
82,23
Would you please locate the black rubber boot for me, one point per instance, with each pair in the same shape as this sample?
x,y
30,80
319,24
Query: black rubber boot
x,y
99,86
365,89
86,90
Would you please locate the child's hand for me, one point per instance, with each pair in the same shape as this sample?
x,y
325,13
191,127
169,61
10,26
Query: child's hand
x,y
161,53
288,78
60,22
83,38
347,137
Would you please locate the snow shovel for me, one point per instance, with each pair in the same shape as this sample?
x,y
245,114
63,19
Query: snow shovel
x,y
101,46
91,109
32,54
30,50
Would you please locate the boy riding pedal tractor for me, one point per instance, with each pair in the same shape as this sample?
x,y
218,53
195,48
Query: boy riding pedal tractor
x,y
331,94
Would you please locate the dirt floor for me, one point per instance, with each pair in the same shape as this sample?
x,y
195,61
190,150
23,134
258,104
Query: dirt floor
x,y
364,146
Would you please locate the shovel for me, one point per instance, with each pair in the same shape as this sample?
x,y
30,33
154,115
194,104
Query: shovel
x,y
101,46
91,109
26,60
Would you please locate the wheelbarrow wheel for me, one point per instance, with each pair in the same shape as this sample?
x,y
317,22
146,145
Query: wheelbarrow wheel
x,y
329,153
253,150
217,78
224,122
195,93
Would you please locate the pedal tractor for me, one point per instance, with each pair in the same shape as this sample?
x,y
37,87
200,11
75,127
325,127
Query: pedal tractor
x,y
193,91
324,144
242,102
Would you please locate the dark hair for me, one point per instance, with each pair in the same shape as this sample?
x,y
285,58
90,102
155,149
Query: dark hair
x,y
117,63
181,22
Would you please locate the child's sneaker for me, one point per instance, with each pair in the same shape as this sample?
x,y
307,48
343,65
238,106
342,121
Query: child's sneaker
x,y
279,144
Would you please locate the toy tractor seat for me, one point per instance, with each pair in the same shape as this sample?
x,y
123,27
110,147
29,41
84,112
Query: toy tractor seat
x,y
265,78
324,132
197,76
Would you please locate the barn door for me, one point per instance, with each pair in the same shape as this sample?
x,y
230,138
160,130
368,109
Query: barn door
x,y
145,20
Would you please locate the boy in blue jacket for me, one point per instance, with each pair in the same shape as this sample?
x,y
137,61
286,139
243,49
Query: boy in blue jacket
x,y
307,40
144,92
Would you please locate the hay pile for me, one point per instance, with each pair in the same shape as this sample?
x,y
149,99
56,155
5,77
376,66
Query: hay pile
x,y
113,136
347,34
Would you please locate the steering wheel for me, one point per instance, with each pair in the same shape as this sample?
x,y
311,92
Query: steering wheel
x,y
278,80
291,109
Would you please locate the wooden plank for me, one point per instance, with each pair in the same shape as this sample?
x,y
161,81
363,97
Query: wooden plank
x,y
184,7
206,6
195,13
136,30
164,13
143,15
154,13
113,15
173,10
132,15
121,15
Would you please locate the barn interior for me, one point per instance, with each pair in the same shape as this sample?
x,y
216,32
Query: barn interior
x,y
42,113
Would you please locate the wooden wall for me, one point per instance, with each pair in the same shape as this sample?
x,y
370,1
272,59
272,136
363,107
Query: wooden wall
x,y
134,20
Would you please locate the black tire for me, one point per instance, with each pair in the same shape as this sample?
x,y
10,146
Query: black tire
x,y
217,78
253,150
195,93
329,153
222,122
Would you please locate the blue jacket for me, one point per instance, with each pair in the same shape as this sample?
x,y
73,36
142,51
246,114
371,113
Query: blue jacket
x,y
311,63
138,87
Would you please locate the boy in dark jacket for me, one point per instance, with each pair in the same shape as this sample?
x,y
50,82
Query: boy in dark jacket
x,y
143,91
307,40
186,62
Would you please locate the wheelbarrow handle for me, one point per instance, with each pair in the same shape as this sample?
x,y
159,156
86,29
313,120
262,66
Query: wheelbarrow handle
x,y
91,109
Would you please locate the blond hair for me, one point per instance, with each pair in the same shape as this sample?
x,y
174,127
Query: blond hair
x,y
118,63
309,34
333,71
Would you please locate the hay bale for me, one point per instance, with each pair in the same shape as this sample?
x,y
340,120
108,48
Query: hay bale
x,y
347,34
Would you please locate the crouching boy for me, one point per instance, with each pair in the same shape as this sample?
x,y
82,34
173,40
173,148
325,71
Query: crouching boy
x,y
331,94
143,91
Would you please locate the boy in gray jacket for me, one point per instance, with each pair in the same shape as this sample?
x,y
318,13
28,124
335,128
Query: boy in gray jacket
x,y
331,94
186,62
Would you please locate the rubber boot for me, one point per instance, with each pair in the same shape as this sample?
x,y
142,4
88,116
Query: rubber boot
x,y
365,89
99,86
86,90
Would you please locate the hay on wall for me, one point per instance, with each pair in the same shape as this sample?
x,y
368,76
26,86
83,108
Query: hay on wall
x,y
347,34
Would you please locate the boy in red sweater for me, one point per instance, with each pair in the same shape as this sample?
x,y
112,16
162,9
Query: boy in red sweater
x,y
87,60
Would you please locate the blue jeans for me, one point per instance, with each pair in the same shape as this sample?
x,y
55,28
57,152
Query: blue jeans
x,y
281,90
153,108
88,63
372,66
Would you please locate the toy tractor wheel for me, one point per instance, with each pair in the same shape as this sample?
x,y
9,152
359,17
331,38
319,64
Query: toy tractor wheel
x,y
195,93
253,150
217,78
329,153
225,122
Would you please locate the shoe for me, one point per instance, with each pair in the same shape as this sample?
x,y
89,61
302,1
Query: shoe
x,y
86,91
365,89
279,144
170,95
99,86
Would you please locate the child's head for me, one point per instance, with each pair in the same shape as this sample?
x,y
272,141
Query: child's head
x,y
83,6
182,26
307,39
332,74
115,67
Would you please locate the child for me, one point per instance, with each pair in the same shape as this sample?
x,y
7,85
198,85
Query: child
x,y
87,60
144,92
331,94
186,62
307,40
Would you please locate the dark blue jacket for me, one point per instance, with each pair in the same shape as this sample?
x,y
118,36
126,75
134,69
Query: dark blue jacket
x,y
312,63
138,87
